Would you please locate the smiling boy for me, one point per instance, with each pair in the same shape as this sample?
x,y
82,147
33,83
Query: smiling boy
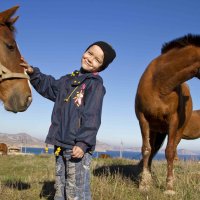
x,y
76,118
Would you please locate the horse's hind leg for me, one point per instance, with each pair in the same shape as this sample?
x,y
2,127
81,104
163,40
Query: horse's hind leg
x,y
171,155
174,137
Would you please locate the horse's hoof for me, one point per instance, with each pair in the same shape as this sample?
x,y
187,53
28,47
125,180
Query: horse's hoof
x,y
170,192
143,188
146,181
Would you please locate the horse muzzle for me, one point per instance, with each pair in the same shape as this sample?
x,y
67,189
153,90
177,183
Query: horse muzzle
x,y
16,103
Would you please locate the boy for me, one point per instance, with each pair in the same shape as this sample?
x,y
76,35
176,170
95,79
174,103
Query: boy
x,y
76,118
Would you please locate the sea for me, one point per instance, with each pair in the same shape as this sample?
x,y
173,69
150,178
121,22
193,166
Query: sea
x,y
113,154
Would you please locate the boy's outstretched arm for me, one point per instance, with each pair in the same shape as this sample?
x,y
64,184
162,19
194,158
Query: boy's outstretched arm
x,y
45,85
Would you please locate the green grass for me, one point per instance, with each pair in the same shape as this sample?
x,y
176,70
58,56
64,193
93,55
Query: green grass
x,y
32,178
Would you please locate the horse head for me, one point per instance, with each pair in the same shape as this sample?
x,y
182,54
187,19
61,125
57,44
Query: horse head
x,y
15,91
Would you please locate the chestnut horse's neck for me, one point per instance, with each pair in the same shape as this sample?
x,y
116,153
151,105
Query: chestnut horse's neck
x,y
175,67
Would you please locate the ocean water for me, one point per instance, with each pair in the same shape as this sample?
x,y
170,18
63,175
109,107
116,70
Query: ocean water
x,y
114,154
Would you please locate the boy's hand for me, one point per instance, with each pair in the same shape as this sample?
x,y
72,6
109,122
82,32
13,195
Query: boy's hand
x,y
77,152
24,64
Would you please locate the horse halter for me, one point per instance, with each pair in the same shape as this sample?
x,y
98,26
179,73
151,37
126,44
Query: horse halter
x,y
7,74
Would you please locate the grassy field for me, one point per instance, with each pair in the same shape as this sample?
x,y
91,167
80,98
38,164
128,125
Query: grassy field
x,y
32,178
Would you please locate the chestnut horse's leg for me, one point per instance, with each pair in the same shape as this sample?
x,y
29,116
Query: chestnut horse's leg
x,y
178,138
146,151
170,152
156,141
177,141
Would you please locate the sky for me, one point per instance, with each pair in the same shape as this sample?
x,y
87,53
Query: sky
x,y
53,34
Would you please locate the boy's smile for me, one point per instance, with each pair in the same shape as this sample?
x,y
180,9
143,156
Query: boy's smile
x,y
92,59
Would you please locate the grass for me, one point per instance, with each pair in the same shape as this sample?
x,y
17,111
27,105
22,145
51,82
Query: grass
x,y
32,178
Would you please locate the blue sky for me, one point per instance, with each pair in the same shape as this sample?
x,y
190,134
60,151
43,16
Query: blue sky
x,y
53,34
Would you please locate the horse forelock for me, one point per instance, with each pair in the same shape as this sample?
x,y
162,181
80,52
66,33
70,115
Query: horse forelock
x,y
9,25
189,39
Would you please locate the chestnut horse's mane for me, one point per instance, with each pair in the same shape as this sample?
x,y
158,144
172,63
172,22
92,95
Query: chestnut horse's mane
x,y
181,42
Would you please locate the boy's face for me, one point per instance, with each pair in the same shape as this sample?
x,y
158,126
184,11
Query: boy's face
x,y
92,59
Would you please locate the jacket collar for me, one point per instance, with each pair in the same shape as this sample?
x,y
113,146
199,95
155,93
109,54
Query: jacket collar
x,y
79,78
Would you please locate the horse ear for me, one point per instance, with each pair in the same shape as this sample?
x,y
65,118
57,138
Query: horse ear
x,y
13,20
7,14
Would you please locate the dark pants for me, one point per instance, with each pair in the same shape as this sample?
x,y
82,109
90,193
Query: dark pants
x,y
72,181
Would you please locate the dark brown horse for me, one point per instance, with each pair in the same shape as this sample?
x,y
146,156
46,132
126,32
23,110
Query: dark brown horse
x,y
15,92
3,149
192,129
163,103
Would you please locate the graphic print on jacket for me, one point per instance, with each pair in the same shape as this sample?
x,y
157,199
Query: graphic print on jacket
x,y
79,95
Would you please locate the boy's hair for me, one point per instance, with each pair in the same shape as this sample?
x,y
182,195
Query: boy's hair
x,y
109,53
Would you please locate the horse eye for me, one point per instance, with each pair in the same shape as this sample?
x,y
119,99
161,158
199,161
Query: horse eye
x,y
10,47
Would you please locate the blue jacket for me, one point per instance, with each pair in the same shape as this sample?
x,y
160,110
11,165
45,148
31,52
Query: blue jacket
x,y
76,115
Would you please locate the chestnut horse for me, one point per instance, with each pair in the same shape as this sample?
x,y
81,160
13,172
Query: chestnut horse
x,y
163,103
3,149
192,129
15,91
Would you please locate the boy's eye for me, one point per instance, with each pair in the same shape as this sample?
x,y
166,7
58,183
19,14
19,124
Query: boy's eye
x,y
98,60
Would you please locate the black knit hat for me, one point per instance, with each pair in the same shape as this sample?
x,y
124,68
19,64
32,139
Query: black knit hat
x,y
109,53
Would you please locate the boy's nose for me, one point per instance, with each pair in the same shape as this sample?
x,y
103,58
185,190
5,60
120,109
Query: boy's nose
x,y
90,59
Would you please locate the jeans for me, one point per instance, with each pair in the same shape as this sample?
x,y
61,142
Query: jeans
x,y
72,181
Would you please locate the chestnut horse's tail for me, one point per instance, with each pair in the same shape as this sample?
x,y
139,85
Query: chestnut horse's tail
x,y
156,142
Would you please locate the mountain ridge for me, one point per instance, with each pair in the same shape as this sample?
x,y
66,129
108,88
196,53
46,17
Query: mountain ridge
x,y
24,139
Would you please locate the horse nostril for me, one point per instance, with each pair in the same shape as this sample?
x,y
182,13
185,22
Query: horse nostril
x,y
29,100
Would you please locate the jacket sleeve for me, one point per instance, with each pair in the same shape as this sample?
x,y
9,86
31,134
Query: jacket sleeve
x,y
91,116
45,85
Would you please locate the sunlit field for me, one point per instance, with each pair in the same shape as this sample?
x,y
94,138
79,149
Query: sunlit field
x,y
31,177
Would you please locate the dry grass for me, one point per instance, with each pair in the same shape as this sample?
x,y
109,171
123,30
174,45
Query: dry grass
x,y
32,178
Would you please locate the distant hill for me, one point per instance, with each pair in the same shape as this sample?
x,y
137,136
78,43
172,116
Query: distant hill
x,y
100,146
183,152
24,139
187,152
21,139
